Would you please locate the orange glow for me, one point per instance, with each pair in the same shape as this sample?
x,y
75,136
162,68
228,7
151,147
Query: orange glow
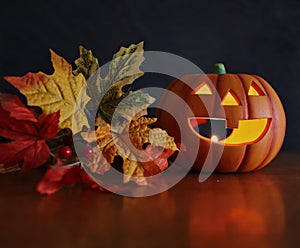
x,y
254,90
245,218
203,89
230,99
248,132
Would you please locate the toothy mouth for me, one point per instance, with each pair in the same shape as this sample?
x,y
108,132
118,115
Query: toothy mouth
x,y
215,130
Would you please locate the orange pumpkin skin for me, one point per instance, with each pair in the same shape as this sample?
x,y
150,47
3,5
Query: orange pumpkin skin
x,y
235,158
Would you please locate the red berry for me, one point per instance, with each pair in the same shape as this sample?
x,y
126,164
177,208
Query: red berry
x,y
86,151
65,152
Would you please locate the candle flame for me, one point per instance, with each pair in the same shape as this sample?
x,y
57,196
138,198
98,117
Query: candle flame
x,y
214,138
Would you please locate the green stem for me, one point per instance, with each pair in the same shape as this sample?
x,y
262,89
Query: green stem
x,y
219,68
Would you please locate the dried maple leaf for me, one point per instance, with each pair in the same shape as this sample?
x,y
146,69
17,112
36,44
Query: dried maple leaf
x,y
86,64
96,162
160,160
27,135
115,144
55,92
122,70
56,178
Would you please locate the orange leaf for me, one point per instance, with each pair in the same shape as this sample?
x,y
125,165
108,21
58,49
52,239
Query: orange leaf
x,y
55,92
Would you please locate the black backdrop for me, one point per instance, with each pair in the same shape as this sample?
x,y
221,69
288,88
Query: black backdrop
x,y
250,36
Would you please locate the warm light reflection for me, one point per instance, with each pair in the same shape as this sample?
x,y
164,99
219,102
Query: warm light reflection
x,y
235,212
248,131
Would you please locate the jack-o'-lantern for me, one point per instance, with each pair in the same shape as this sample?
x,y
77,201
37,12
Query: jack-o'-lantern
x,y
246,109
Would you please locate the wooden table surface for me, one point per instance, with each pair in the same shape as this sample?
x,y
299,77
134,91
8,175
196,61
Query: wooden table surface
x,y
260,209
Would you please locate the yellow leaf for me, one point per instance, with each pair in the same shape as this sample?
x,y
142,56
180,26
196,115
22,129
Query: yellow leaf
x,y
125,67
58,91
123,70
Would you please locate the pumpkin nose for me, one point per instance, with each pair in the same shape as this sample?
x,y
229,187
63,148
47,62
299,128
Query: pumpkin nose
x,y
230,99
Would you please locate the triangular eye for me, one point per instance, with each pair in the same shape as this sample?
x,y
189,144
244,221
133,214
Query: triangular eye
x,y
254,90
203,89
230,99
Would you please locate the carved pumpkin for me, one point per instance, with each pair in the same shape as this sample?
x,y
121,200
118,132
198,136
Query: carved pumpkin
x,y
245,107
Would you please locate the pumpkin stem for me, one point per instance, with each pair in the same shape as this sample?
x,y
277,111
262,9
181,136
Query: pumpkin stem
x,y
219,68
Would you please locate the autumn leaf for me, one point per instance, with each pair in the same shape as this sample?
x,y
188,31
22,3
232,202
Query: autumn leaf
x,y
125,106
56,178
27,135
140,134
95,162
160,161
122,70
86,64
56,92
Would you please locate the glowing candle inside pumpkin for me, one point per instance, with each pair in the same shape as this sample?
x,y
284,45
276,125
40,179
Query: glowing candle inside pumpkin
x,y
214,138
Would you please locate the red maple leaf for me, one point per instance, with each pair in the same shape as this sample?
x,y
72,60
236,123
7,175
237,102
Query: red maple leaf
x,y
56,178
26,133
159,163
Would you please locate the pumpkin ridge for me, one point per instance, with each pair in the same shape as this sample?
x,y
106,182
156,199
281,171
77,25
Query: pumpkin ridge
x,y
272,94
246,106
272,124
216,88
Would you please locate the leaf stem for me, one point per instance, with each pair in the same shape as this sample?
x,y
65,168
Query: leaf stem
x,y
65,166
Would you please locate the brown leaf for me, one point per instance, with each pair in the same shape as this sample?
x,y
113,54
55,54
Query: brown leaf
x,y
132,151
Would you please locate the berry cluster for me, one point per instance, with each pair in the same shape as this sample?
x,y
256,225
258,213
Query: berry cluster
x,y
63,151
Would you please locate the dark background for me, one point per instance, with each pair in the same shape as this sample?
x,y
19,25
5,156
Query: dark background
x,y
255,37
